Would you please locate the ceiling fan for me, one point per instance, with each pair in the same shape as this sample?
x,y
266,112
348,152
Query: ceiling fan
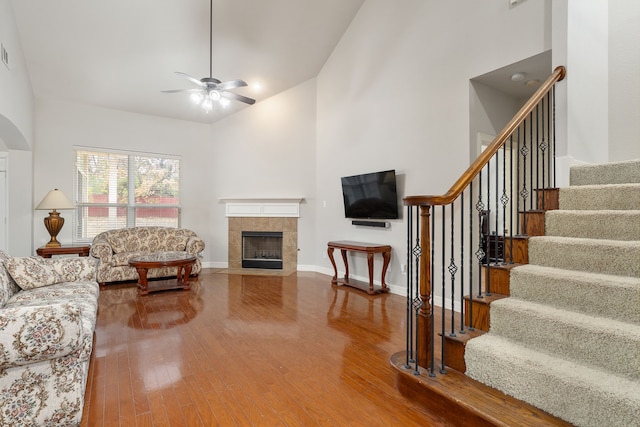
x,y
210,89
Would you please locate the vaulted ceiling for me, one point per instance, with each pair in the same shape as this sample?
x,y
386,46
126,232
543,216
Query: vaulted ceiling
x,y
121,53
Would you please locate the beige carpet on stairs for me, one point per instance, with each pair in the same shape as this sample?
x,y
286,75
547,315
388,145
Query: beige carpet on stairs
x,y
568,338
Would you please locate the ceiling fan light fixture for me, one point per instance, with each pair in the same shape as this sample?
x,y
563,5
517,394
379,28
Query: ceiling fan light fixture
x,y
214,95
207,105
224,102
196,97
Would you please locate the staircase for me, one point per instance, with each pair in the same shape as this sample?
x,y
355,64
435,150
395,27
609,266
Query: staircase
x,y
567,340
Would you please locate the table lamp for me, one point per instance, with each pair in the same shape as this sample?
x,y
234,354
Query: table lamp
x,y
54,200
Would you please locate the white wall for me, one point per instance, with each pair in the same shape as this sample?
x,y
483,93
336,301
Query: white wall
x,y
60,126
267,150
598,109
16,95
489,112
624,80
395,95
16,136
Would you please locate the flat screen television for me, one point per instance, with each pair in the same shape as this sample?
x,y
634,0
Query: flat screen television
x,y
371,195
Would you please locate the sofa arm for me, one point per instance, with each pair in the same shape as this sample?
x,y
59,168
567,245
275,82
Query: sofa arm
x,y
195,245
102,250
33,334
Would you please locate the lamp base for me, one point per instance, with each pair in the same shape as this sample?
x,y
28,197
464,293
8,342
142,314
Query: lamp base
x,y
53,244
53,224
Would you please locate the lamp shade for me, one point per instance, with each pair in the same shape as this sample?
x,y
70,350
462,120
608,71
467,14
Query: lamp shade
x,y
55,200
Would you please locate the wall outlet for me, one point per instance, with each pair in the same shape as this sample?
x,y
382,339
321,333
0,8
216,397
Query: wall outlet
x,y
404,268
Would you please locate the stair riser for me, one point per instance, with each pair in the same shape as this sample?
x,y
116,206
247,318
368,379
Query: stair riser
x,y
612,350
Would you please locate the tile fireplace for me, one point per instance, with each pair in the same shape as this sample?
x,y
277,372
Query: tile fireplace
x,y
263,233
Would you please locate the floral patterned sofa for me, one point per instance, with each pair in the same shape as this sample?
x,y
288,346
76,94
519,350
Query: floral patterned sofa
x,y
48,313
114,249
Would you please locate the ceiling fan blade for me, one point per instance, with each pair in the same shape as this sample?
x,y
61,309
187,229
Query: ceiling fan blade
x,y
237,97
181,90
231,84
190,78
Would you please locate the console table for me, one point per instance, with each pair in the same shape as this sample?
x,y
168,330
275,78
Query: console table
x,y
47,252
370,249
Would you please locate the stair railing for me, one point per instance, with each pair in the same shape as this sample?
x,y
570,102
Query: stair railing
x,y
455,239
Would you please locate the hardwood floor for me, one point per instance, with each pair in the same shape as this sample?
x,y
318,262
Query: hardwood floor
x,y
248,350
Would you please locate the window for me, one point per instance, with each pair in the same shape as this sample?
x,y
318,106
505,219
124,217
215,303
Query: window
x,y
117,189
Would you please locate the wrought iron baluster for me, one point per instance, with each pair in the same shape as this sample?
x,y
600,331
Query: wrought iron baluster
x,y
442,289
511,199
524,193
417,301
432,362
543,149
409,337
530,160
537,173
471,262
462,262
553,90
453,269
481,254
496,245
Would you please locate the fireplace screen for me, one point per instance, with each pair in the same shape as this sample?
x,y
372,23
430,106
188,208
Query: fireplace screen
x,y
262,249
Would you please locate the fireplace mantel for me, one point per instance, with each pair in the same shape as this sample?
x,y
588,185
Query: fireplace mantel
x,y
263,207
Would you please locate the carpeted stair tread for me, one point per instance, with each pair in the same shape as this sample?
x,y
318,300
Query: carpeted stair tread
x,y
610,173
592,255
615,297
590,224
600,197
596,341
574,392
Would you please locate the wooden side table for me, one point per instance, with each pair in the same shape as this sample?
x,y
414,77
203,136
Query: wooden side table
x,y
370,249
80,250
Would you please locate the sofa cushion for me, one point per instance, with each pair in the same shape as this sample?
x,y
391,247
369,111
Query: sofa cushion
x,y
123,258
32,334
82,293
150,239
35,272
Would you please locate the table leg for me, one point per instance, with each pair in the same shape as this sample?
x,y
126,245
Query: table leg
x,y
334,280
185,277
142,280
346,264
386,257
370,264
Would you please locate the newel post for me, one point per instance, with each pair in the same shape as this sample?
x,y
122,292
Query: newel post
x,y
424,339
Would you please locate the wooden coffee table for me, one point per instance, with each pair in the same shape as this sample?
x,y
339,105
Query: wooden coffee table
x,y
182,260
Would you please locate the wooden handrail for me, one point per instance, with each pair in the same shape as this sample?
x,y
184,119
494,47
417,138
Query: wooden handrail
x,y
484,158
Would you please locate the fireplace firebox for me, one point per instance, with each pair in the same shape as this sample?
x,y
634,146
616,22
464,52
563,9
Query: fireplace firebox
x,y
262,249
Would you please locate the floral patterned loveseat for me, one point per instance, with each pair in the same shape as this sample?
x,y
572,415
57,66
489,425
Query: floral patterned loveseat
x,y
48,313
114,249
